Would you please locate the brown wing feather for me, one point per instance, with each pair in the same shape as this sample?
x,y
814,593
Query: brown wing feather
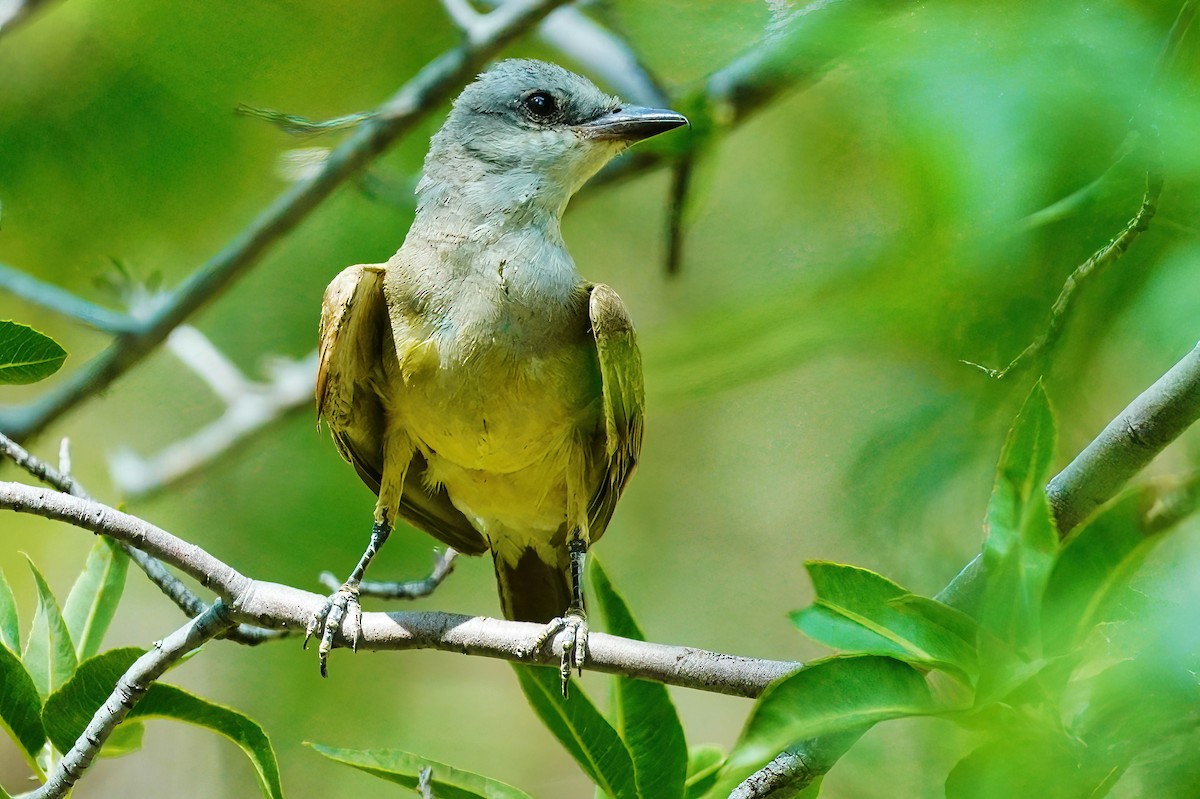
x,y
624,400
354,333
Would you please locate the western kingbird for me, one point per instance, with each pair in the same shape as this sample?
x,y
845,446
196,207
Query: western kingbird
x,y
487,393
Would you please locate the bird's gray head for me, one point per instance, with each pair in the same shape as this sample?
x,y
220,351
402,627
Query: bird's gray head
x,y
531,132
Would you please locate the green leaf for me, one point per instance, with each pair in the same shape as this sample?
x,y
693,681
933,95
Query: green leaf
x,y
950,619
1095,563
1034,763
1021,542
704,764
581,729
645,716
20,704
125,740
94,597
1021,475
833,695
10,628
27,356
49,654
68,711
404,768
856,611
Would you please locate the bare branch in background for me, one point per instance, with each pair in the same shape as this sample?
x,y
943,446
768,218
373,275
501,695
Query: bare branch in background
x,y
128,690
461,14
46,295
399,115
250,407
282,607
600,53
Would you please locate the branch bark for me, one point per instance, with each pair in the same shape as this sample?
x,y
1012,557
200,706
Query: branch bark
x,y
281,607
1127,444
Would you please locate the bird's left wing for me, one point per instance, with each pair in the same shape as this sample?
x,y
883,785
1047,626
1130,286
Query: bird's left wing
x,y
624,400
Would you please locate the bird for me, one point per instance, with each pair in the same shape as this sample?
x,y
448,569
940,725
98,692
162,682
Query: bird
x,y
486,392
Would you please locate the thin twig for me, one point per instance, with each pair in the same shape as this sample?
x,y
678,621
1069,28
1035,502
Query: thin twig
x,y
600,53
681,184
423,786
417,98
464,17
283,607
207,362
64,457
1173,505
59,300
129,689
251,408
295,125
1089,269
413,589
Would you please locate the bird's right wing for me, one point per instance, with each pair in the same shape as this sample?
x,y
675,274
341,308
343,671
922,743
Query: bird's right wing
x,y
355,337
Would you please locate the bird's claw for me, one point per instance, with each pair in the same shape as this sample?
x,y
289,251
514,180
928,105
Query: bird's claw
x,y
339,606
574,648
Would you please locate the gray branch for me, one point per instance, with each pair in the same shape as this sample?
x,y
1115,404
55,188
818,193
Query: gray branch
x,y
250,407
281,607
795,769
1131,440
128,690
417,98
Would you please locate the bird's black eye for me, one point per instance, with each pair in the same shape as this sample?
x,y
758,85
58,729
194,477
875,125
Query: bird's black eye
x,y
541,105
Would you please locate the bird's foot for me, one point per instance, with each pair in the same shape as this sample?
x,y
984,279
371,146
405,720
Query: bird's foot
x,y
574,648
339,606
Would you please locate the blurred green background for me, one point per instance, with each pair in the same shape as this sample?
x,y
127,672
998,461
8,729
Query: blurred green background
x,y
850,245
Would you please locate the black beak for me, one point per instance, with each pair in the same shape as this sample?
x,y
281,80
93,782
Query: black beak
x,y
632,123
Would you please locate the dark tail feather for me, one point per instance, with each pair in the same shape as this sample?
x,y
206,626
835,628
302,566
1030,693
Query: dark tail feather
x,y
532,590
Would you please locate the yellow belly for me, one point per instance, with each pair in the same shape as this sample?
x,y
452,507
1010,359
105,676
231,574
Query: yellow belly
x,y
511,439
